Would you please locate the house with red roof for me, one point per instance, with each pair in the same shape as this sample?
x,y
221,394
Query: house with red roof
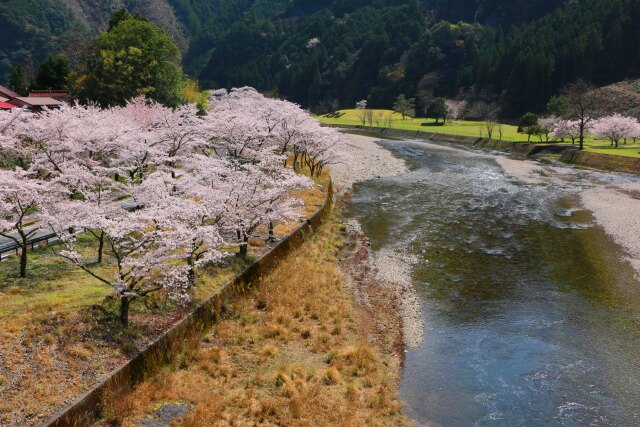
x,y
7,93
36,101
4,104
58,95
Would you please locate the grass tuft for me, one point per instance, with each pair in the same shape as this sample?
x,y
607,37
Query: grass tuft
x,y
274,361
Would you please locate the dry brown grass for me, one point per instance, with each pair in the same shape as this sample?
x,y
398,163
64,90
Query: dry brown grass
x,y
291,354
53,347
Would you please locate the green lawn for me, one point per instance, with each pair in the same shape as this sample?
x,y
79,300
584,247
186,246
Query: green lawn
x,y
466,128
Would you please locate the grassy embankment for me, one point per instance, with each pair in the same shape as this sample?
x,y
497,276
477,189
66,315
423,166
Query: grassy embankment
x,y
56,340
473,129
294,353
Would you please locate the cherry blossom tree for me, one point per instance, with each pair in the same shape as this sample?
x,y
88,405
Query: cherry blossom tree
x,y
242,124
615,128
162,189
147,244
10,152
8,122
259,198
168,133
22,200
456,109
547,125
195,213
319,148
566,129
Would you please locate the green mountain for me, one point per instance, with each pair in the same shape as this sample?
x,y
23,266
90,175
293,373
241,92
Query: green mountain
x,y
327,54
30,30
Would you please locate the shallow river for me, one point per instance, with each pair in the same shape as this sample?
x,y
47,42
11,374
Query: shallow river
x,y
530,316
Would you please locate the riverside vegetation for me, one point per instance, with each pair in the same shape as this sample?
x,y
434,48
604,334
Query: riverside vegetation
x,y
139,197
298,351
612,134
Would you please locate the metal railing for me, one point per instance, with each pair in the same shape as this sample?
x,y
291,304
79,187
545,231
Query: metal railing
x,y
13,248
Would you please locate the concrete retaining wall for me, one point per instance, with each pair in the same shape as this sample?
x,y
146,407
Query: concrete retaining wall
x,y
162,351
602,161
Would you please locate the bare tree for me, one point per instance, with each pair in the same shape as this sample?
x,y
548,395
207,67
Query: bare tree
x,y
490,126
361,106
369,114
581,102
362,115
378,117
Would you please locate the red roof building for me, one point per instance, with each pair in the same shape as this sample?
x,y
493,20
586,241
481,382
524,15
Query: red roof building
x,y
59,95
6,106
35,103
7,93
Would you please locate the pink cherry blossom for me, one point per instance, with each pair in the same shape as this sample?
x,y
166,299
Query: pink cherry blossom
x,y
162,190
616,128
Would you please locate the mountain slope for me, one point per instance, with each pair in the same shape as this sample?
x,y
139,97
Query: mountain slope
x,y
492,12
328,54
32,29
331,54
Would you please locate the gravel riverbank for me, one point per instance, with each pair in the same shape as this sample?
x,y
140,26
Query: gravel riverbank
x,y
387,268
613,202
367,161
615,211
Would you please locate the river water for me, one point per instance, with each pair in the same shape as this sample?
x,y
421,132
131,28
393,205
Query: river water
x,y
531,317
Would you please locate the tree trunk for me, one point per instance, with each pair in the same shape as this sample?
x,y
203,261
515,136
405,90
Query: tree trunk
x,y
191,274
244,246
124,311
100,247
23,260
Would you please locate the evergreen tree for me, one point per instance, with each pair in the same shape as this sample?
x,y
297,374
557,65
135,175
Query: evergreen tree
x,y
438,109
18,80
134,58
405,107
52,73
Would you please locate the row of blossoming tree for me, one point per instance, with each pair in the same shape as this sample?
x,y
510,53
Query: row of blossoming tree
x,y
614,128
164,190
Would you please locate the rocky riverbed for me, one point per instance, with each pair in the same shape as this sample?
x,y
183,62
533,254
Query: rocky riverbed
x,y
366,160
388,269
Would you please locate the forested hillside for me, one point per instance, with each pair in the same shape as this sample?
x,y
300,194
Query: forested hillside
x,y
598,40
32,29
492,12
513,54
